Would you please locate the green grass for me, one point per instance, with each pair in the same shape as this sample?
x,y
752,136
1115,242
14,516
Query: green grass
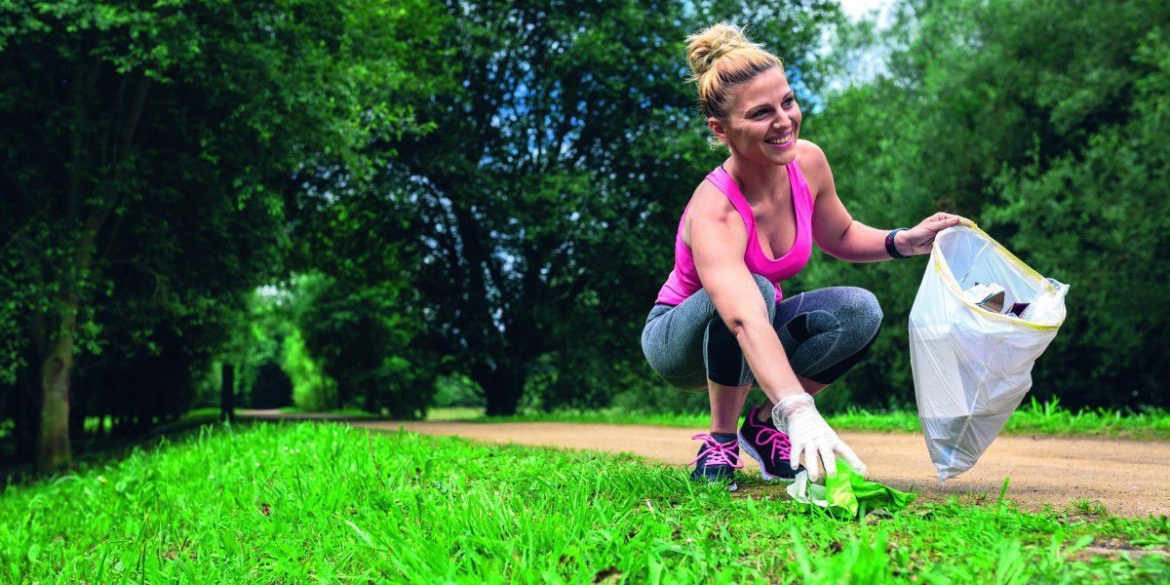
x,y
196,417
299,503
1032,418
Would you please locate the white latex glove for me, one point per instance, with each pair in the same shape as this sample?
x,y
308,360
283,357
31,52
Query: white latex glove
x,y
811,436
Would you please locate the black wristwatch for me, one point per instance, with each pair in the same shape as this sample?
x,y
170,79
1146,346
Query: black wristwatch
x,y
891,249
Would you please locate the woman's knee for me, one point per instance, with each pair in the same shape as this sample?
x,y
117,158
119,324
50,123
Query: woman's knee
x,y
860,311
859,317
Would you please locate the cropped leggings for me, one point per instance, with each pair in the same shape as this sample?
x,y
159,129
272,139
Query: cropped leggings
x,y
824,333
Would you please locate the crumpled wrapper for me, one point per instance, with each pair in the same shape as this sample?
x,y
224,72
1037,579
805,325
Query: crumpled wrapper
x,y
847,494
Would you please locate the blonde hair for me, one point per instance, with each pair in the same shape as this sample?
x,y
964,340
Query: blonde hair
x,y
722,57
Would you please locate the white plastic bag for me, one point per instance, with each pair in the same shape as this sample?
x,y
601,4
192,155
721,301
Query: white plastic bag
x,y
972,366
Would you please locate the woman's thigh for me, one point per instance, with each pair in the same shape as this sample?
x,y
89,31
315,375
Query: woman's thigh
x,y
682,343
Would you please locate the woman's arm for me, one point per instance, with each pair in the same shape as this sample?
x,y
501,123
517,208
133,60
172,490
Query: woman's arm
x,y
718,240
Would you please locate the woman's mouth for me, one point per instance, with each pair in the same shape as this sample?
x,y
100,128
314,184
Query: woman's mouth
x,y
784,140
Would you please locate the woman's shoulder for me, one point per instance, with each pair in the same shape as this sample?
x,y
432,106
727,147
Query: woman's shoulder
x,y
708,199
713,212
709,205
814,165
810,156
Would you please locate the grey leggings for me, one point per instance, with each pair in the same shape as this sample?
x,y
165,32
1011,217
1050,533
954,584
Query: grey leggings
x,y
824,333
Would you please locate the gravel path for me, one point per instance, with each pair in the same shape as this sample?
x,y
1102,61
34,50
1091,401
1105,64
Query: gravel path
x,y
1130,478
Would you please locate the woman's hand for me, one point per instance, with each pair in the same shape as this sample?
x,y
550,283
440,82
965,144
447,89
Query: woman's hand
x,y
920,238
812,437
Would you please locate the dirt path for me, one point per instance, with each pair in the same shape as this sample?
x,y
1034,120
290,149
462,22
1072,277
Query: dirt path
x,y
1130,478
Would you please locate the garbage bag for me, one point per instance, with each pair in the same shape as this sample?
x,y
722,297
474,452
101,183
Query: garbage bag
x,y
847,494
972,366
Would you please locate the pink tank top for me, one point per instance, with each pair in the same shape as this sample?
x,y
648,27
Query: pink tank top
x,y
684,279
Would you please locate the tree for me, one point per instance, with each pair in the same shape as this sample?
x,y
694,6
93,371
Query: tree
x,y
1038,120
161,143
548,194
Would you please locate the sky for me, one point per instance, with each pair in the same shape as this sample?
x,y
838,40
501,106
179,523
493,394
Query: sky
x,y
855,9
873,63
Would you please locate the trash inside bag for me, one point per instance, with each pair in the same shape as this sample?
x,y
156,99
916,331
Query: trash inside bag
x,y
847,494
980,320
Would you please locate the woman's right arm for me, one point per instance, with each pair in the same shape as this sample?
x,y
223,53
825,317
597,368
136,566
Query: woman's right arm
x,y
718,239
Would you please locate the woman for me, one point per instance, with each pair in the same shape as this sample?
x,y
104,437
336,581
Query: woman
x,y
721,321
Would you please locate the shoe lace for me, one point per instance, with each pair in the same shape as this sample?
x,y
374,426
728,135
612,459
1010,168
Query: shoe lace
x,y
718,453
781,446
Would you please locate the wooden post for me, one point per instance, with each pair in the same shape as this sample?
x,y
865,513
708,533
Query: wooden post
x,y
227,393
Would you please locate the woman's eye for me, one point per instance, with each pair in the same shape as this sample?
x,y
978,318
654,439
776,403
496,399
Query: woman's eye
x,y
789,101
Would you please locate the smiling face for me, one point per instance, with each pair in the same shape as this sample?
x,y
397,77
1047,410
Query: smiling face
x,y
763,120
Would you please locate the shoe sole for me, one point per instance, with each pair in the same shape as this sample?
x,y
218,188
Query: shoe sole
x,y
755,455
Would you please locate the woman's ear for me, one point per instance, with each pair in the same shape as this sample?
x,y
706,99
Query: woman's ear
x,y
716,126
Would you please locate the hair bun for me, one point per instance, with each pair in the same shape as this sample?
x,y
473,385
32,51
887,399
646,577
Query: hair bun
x,y
716,76
707,46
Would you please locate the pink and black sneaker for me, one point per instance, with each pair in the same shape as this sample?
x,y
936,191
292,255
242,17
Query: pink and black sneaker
x,y
768,446
718,459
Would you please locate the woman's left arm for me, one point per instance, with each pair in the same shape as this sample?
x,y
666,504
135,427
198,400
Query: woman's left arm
x,y
841,236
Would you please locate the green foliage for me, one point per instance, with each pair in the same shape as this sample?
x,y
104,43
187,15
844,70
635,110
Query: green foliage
x,y
659,398
272,388
268,333
300,503
457,392
259,335
359,334
152,150
313,390
12,346
1101,213
544,204
477,199
1043,122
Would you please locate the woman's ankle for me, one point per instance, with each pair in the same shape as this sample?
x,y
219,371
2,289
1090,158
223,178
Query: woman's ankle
x,y
764,413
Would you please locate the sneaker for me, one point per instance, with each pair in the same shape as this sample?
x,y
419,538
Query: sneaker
x,y
718,459
768,446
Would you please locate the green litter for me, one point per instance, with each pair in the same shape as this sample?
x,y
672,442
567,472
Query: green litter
x,y
847,494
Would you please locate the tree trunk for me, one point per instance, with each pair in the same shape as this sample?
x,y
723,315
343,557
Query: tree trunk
x,y
53,451
77,403
503,388
227,392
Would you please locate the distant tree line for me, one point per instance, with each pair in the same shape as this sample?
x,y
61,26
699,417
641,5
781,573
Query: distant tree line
x,y
150,155
377,205
1044,122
